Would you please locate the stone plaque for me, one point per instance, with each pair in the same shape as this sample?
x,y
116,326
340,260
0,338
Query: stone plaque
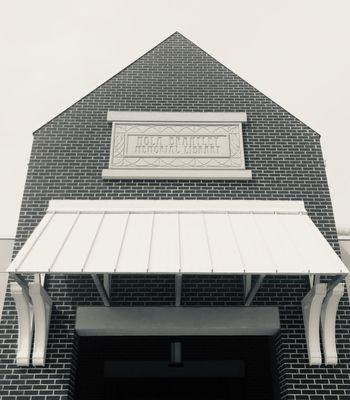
x,y
176,149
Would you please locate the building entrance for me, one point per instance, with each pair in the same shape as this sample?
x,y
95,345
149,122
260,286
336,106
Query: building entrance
x,y
152,368
184,389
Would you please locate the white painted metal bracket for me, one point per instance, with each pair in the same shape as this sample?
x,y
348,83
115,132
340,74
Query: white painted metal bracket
x,y
247,284
311,305
42,305
101,289
107,282
25,323
253,290
328,319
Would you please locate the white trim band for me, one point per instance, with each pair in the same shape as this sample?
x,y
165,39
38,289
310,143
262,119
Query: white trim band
x,y
207,117
165,174
178,206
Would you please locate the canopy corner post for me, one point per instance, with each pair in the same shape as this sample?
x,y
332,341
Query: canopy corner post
x,y
101,290
311,307
328,319
42,306
253,291
20,294
178,289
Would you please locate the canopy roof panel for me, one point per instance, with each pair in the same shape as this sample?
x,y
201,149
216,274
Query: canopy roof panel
x,y
188,236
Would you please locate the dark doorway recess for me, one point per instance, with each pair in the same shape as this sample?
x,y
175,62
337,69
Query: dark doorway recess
x,y
137,368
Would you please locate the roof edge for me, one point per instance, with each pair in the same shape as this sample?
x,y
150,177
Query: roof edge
x,y
104,82
151,49
252,86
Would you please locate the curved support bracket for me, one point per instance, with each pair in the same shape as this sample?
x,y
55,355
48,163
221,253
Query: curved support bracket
x,y
42,305
311,305
328,319
25,323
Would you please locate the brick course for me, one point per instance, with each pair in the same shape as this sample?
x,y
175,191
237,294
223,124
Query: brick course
x,y
67,159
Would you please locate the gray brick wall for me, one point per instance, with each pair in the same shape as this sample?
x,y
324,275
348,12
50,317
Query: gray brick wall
x,y
67,159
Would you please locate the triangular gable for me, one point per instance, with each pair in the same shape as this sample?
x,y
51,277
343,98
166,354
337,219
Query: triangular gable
x,y
177,75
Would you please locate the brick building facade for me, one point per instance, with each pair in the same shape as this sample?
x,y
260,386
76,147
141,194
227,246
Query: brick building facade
x,y
285,157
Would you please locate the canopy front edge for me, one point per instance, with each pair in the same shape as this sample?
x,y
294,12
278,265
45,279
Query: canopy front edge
x,y
168,237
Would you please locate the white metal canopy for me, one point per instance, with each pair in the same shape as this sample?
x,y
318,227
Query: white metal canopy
x,y
177,237
143,236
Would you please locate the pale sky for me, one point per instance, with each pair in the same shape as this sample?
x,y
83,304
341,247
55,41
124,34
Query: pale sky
x,y
52,53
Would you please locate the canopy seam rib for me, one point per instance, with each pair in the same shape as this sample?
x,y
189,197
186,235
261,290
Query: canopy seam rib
x,y
208,243
93,242
150,243
263,240
122,242
35,241
64,241
236,241
179,240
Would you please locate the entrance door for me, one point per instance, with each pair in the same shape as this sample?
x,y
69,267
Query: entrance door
x,y
140,368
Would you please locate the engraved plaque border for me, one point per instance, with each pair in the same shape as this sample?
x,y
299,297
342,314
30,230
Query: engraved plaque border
x,y
123,165
118,159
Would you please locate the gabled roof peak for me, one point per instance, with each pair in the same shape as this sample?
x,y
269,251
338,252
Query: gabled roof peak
x,y
176,75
